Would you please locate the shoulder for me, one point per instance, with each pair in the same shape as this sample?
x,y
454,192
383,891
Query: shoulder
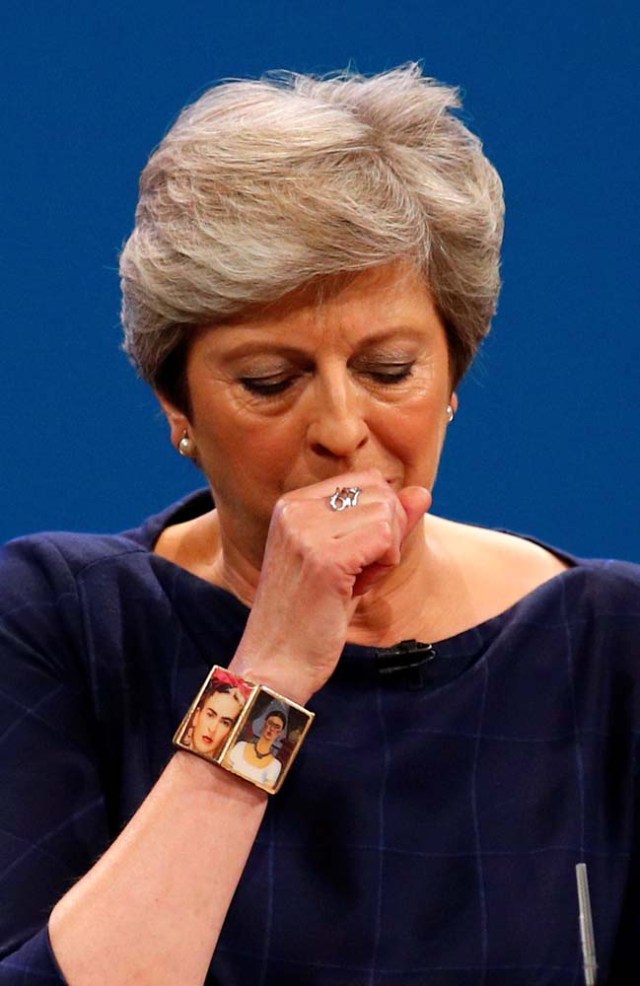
x,y
608,587
595,582
54,558
237,751
42,611
274,769
46,578
592,602
488,571
499,572
515,552
527,560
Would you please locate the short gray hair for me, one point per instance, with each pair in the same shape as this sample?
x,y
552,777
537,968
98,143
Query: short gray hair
x,y
263,186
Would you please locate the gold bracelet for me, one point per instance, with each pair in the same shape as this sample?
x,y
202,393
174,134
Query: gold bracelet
x,y
245,728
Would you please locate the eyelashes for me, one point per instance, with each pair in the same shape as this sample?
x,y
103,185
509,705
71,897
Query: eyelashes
x,y
267,386
390,373
384,374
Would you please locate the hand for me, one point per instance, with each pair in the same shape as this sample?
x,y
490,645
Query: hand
x,y
317,563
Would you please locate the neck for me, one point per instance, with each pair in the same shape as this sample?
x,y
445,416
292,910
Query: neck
x,y
236,566
263,746
412,601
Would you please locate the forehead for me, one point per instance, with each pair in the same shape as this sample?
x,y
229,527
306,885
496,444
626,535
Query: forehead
x,y
353,310
222,703
390,287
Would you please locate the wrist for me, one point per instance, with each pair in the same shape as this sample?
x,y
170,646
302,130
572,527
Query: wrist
x,y
193,776
285,677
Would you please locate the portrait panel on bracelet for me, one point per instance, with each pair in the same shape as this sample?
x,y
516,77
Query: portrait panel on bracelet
x,y
215,712
246,728
267,741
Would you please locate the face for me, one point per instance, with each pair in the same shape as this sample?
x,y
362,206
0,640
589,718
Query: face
x,y
272,728
212,723
310,389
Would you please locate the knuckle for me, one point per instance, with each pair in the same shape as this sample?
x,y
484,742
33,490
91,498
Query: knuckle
x,y
390,506
386,533
288,501
280,508
287,510
386,511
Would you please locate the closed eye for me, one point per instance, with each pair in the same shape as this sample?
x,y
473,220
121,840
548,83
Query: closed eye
x,y
267,386
272,386
390,372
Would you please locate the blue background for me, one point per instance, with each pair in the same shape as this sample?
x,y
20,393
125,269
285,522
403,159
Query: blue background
x,y
546,440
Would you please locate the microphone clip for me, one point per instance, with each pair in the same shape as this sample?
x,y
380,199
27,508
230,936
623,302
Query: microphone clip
x,y
405,663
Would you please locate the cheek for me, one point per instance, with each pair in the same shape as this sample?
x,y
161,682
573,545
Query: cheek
x,y
416,440
259,448
418,432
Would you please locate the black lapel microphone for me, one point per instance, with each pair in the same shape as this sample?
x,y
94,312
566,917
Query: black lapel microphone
x,y
405,664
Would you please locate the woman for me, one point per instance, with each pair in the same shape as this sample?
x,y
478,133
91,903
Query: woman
x,y
256,760
214,716
313,266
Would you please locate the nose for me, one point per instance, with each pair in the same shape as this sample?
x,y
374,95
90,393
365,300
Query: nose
x,y
337,424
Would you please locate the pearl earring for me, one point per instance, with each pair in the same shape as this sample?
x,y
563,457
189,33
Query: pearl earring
x,y
186,446
450,413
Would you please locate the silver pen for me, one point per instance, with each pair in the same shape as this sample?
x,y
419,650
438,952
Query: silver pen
x,y
589,964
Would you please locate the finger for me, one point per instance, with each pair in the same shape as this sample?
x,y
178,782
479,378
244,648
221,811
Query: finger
x,y
402,512
415,500
313,518
369,576
387,511
366,479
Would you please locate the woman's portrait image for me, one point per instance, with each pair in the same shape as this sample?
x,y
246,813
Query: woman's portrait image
x,y
207,726
268,742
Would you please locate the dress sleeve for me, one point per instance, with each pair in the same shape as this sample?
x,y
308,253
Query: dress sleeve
x,y
53,822
273,772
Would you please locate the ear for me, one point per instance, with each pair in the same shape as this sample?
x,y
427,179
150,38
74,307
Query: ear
x,y
178,421
453,400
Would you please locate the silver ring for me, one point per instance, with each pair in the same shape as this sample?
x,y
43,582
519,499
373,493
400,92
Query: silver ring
x,y
344,497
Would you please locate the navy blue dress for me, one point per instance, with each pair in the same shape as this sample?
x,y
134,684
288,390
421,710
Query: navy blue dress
x,y
428,832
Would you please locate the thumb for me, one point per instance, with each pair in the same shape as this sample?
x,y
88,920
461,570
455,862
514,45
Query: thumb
x,y
415,500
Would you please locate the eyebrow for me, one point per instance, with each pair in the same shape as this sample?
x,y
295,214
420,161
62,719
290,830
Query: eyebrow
x,y
254,347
